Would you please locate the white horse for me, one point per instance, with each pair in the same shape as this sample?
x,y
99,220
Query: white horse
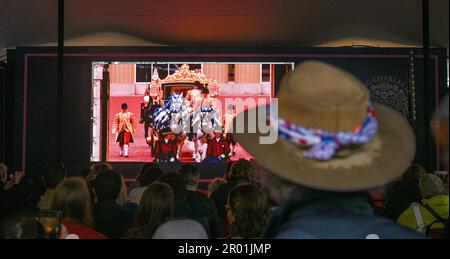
x,y
204,123
174,115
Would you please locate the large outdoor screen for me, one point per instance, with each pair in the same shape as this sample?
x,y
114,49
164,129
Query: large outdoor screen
x,y
175,111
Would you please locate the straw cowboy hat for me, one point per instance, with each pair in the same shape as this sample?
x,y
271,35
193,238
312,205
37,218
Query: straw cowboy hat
x,y
330,137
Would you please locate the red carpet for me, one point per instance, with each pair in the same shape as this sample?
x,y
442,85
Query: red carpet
x,y
139,150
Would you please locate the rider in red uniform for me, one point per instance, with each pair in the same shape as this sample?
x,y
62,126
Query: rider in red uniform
x,y
218,147
166,148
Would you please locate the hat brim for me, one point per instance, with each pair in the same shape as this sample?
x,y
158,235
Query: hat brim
x,y
372,165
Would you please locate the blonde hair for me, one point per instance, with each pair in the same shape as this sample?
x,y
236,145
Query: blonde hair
x,y
73,199
156,205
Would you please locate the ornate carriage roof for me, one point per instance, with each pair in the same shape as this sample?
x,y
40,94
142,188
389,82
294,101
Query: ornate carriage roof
x,y
185,75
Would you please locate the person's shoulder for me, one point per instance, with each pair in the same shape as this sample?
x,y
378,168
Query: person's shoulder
x,y
82,231
408,212
386,228
355,228
441,198
92,234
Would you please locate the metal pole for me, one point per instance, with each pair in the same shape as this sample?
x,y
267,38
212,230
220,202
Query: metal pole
x,y
3,113
426,79
60,84
104,113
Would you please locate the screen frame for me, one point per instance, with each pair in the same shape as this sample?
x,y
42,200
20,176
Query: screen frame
x,y
25,62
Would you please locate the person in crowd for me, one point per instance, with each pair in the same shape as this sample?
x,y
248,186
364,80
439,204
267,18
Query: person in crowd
x,y
149,176
214,185
180,228
73,199
182,209
85,173
20,226
95,169
199,201
332,147
226,177
157,204
10,193
430,216
241,171
247,211
444,177
9,181
3,175
50,180
110,218
401,193
102,167
123,194
144,167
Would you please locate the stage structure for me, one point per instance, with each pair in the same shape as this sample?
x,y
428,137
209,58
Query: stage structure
x,y
394,77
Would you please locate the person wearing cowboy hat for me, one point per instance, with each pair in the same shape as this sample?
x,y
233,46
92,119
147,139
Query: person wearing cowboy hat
x,y
333,147
218,149
166,148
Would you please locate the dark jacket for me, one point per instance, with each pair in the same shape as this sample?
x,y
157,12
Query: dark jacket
x,y
347,216
207,207
9,200
220,196
20,197
111,219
